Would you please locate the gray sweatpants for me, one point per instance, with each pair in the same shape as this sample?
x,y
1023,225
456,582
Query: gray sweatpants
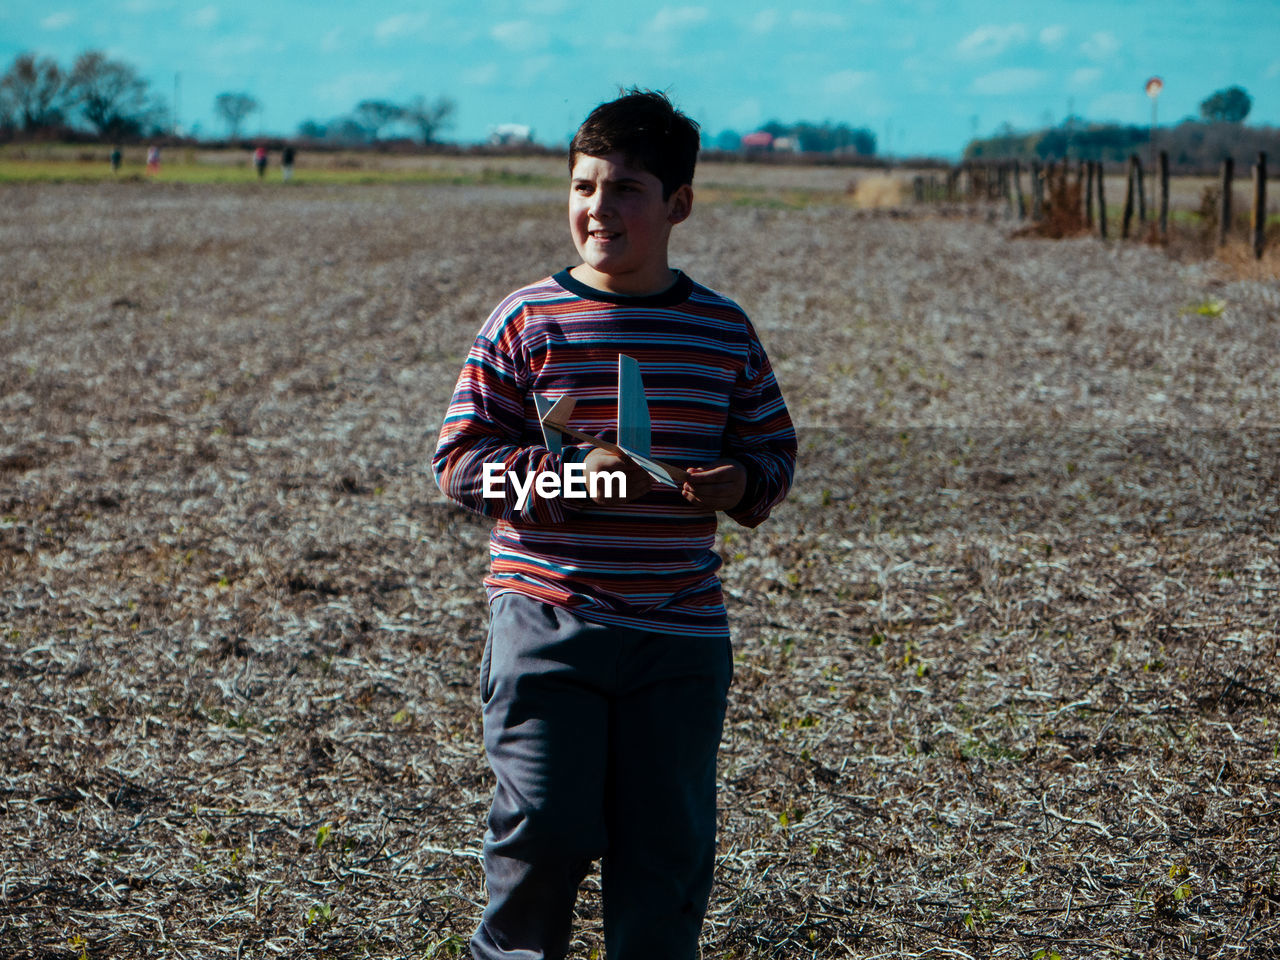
x,y
603,741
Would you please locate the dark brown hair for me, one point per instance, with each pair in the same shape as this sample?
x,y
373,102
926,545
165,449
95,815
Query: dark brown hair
x,y
648,130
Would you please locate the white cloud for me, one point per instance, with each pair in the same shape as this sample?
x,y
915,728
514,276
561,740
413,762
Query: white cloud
x,y
147,6
343,92
332,41
534,67
1103,45
766,21
56,21
398,26
926,75
1013,80
241,46
480,76
1053,36
204,18
816,20
845,82
546,8
677,18
1084,77
747,115
991,41
519,35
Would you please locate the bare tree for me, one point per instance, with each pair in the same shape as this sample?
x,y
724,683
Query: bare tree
x,y
376,114
233,108
430,119
34,92
111,96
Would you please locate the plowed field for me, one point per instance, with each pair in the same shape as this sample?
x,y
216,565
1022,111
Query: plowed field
x,y
1006,661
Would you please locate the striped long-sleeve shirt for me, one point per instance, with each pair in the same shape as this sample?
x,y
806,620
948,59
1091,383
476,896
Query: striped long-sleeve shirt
x,y
648,563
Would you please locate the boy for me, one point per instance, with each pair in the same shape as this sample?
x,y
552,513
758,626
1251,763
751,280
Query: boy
x,y
605,673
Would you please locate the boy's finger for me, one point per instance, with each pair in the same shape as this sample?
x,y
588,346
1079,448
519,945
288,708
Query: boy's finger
x,y
707,488
715,469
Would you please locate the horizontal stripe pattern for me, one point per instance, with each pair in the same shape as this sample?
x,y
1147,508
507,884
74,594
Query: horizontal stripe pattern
x,y
648,564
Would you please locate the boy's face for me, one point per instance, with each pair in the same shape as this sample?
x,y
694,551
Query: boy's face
x,y
620,224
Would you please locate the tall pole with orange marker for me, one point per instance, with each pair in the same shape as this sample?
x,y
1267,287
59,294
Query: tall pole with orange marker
x,y
1154,86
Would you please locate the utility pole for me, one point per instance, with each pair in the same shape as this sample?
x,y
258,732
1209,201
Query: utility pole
x,y
1154,86
177,93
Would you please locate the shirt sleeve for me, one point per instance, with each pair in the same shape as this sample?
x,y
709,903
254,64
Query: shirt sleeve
x,y
485,424
760,436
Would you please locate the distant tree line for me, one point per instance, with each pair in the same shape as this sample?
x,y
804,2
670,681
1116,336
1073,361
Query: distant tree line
x,y
1194,143
372,119
825,137
104,96
806,137
108,99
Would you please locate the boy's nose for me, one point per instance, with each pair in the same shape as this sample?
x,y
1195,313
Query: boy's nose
x,y
599,203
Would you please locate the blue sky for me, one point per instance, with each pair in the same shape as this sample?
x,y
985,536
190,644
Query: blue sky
x,y
924,75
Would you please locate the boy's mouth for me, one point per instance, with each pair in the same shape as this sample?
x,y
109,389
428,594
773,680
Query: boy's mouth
x,y
603,234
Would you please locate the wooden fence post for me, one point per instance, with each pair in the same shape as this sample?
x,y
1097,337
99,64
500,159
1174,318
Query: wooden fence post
x,y
1102,203
917,188
1139,189
1127,218
1259,205
1017,188
1224,205
1088,194
1080,188
1037,191
1164,196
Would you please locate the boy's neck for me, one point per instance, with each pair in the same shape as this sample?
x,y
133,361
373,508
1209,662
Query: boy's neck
x,y
647,286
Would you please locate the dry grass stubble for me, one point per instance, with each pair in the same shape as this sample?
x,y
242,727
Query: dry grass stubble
x,y
1006,661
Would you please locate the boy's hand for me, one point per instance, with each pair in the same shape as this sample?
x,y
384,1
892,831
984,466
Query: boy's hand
x,y
602,461
716,486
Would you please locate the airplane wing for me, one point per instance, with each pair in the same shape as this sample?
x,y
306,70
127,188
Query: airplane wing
x,y
633,425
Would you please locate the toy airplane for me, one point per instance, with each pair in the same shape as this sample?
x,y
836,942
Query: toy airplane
x,y
633,425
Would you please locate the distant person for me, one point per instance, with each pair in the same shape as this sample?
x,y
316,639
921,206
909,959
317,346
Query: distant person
x,y
153,160
260,161
115,160
286,162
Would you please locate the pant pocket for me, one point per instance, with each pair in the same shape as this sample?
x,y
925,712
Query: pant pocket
x,y
486,660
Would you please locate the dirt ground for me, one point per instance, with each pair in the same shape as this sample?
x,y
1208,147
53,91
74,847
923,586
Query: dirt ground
x,y
1006,662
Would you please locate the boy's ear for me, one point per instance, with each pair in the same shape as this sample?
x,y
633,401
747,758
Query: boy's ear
x,y
680,204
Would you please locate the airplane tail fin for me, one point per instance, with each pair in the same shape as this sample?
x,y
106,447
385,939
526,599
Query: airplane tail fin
x,y
560,411
633,408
